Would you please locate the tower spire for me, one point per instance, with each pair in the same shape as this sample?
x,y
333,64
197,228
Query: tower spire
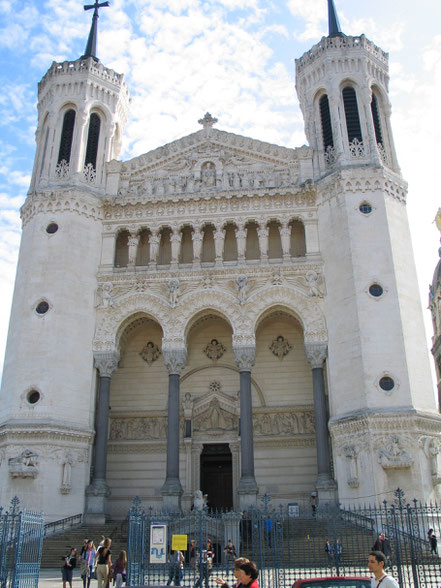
x,y
334,24
91,41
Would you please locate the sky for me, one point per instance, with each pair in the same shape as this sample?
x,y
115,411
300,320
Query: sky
x,y
233,58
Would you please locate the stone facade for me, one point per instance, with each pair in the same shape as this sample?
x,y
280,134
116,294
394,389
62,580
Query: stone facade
x,y
218,291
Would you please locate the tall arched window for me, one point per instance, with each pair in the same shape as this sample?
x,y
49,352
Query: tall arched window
x,y
351,112
325,116
376,119
67,136
92,140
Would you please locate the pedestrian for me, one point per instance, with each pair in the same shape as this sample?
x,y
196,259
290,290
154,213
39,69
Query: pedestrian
x,y
230,552
246,574
382,544
376,564
84,546
70,562
432,542
104,562
313,502
268,526
192,553
87,570
101,543
119,570
203,569
338,551
176,563
329,552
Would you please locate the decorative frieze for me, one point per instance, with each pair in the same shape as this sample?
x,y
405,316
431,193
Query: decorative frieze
x,y
284,423
136,429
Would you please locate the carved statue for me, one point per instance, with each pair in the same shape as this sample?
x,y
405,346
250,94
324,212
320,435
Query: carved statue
x,y
312,281
197,238
106,294
219,237
393,455
133,245
24,465
173,288
352,463
175,239
200,500
280,347
242,283
241,239
263,234
285,238
214,350
66,479
154,240
208,175
150,352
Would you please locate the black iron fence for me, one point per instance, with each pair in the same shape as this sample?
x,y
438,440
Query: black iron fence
x,y
286,543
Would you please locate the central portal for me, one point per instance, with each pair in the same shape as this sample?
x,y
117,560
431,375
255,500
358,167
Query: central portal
x,y
217,475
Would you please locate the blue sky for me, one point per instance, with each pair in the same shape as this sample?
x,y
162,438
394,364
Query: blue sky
x,y
234,58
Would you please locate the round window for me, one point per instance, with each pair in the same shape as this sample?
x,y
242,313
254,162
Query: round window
x,y
33,396
386,383
42,307
376,290
365,208
52,228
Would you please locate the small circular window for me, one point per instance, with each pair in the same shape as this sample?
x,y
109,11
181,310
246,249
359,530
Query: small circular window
x,y
365,208
33,396
42,307
52,228
376,290
386,383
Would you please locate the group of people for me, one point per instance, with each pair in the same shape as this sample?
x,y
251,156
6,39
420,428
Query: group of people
x,y
95,563
334,552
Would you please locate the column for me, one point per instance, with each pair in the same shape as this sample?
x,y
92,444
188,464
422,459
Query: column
x,y
247,489
371,139
174,360
326,486
98,491
235,458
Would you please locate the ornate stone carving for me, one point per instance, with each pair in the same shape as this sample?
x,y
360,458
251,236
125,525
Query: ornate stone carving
x,y
24,465
393,456
208,121
105,291
215,418
245,357
214,350
137,428
351,454
106,362
175,359
280,347
66,473
432,449
312,282
284,423
214,387
200,500
242,284
316,354
150,352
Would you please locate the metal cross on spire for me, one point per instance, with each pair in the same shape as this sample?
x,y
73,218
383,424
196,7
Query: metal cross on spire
x,y
91,41
334,24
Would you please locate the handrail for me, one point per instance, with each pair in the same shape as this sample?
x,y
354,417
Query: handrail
x,y
62,524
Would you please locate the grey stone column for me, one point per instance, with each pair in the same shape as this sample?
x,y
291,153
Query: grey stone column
x,y
326,486
98,490
247,489
171,491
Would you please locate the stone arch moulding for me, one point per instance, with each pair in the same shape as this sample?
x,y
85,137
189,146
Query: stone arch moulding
x,y
303,308
195,304
112,321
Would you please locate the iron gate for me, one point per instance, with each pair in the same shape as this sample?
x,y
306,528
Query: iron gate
x,y
288,542
21,538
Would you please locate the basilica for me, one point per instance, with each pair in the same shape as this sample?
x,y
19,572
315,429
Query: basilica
x,y
219,314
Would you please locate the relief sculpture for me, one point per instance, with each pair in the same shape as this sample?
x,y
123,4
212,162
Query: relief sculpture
x,y
138,428
284,423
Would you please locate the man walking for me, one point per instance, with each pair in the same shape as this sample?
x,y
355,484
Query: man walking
x,y
376,563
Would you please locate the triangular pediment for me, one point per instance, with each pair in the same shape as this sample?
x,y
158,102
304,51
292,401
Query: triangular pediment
x,y
215,411
209,160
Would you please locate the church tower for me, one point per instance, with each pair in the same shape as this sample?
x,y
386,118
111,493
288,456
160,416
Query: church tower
x,y
48,387
381,399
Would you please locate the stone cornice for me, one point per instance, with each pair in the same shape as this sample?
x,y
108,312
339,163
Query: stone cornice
x,y
406,420
361,180
77,200
303,441
27,432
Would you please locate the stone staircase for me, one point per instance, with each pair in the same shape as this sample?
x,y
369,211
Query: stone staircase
x,y
59,544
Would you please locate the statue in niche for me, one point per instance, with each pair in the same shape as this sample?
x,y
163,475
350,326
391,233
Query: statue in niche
x,y
24,465
312,282
241,240
173,288
66,479
242,283
150,352
154,240
352,462
393,455
208,175
280,347
197,238
214,350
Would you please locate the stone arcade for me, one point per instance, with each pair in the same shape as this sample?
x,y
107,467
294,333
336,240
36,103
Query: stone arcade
x,y
249,312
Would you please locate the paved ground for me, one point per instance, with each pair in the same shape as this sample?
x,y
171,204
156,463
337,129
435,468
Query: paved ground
x,y
52,578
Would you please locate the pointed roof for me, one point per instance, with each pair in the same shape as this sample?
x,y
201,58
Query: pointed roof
x,y
93,35
334,24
